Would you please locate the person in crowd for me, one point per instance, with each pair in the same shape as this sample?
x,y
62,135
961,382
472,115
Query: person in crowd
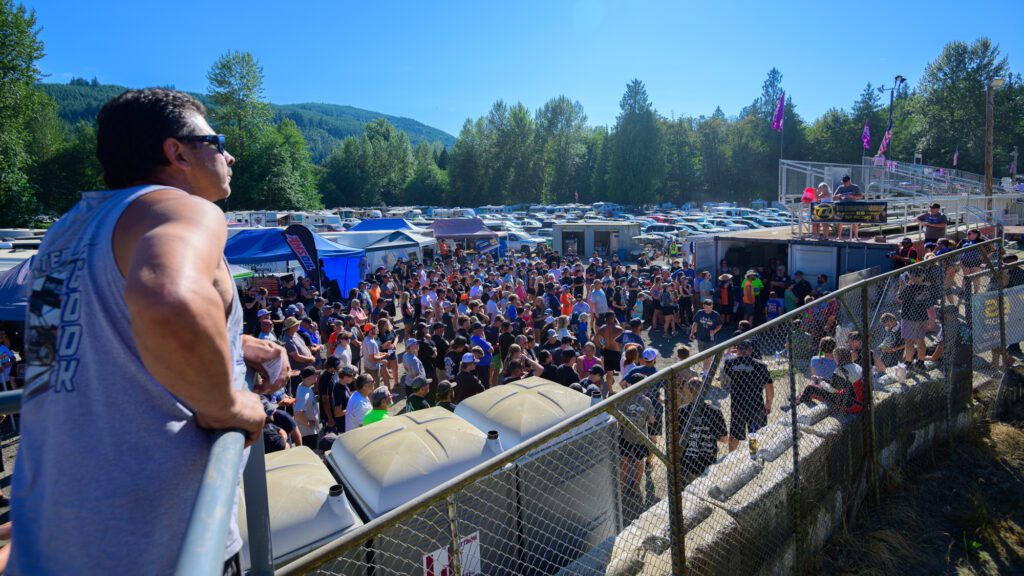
x,y
566,372
845,389
483,366
824,363
418,399
335,388
359,403
707,429
266,327
905,255
607,338
588,360
373,356
307,407
444,395
914,299
467,382
848,192
822,195
933,223
380,399
413,365
706,324
751,393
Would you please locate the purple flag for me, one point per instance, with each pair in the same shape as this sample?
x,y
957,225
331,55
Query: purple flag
x,y
956,156
865,136
777,118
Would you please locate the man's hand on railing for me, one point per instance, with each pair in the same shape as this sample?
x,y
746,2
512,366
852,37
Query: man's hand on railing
x,y
246,414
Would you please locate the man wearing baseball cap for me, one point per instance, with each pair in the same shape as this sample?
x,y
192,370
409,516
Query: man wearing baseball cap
x,y
934,223
418,399
706,324
467,384
307,408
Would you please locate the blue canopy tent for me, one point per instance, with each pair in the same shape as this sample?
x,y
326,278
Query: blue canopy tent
x,y
341,263
382,224
14,292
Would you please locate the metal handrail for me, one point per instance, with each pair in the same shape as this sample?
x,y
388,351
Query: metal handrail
x,y
10,402
203,549
440,493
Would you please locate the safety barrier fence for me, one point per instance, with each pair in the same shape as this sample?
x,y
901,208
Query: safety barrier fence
x,y
818,405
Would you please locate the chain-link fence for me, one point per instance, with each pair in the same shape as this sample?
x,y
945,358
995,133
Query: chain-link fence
x,y
742,459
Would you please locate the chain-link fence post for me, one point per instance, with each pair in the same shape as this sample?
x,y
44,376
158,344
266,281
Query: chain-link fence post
x,y
455,550
871,461
1002,308
798,531
676,483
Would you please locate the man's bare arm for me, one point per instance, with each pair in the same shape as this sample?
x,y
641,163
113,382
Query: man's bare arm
x,y
170,246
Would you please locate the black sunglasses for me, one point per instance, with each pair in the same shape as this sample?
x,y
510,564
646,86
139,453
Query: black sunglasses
x,y
215,139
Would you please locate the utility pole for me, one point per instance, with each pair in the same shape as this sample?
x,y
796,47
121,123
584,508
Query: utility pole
x,y
990,137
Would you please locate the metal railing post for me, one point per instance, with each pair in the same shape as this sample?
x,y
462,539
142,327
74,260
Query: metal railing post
x,y
871,461
795,430
1002,304
257,512
676,482
453,528
202,552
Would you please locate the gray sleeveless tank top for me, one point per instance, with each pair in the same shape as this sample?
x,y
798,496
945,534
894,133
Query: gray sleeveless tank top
x,y
109,461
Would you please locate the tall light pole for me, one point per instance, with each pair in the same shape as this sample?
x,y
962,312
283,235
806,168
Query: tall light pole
x,y
887,137
990,136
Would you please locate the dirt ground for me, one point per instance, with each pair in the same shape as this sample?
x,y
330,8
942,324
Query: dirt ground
x,y
958,510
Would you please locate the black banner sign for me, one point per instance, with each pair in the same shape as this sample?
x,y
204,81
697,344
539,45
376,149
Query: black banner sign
x,y
849,212
300,240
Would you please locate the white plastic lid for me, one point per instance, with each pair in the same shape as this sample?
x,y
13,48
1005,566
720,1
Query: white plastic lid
x,y
522,409
301,513
388,463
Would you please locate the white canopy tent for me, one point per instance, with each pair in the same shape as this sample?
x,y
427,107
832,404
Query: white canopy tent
x,y
385,247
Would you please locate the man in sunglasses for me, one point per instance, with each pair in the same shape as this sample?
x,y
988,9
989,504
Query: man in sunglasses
x,y
162,347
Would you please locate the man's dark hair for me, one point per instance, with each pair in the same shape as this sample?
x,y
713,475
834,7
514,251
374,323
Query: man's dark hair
x,y
132,128
363,380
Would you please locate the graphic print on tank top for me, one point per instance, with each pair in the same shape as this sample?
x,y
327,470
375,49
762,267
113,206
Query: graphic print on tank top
x,y
53,325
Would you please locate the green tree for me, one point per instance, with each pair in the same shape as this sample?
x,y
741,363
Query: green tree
x,y
637,165
429,183
238,108
951,110
61,175
466,165
20,48
343,180
390,163
561,146
713,162
682,151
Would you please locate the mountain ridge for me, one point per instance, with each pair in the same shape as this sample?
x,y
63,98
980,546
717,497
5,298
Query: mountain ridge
x,y
324,125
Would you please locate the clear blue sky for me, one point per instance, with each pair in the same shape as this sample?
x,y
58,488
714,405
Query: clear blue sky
x,y
441,62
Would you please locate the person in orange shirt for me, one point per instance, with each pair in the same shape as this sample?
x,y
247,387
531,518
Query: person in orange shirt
x,y
567,301
374,292
725,297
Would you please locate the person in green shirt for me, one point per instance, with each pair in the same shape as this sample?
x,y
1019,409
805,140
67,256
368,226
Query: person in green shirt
x,y
792,302
380,399
803,347
418,399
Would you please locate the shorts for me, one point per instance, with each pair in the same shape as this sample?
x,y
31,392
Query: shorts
x,y
702,345
612,359
748,309
633,450
912,329
724,309
743,418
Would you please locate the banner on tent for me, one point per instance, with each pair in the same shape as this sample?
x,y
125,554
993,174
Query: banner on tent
x,y
300,240
486,245
849,212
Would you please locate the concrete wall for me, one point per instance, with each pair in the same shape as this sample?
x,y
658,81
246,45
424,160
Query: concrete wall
x,y
740,513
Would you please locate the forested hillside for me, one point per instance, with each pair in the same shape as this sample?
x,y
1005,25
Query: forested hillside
x,y
323,125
